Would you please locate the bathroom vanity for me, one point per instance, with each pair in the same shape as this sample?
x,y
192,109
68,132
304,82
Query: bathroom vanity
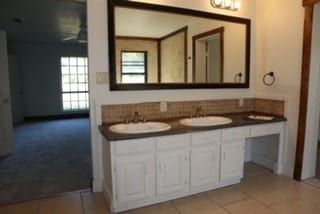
x,y
144,169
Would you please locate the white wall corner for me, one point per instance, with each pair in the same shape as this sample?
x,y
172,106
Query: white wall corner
x,y
97,185
96,148
287,170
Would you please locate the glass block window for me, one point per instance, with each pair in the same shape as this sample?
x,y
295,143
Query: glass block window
x,y
74,83
133,66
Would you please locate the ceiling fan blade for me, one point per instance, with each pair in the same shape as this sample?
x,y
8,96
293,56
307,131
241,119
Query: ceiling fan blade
x,y
69,38
77,1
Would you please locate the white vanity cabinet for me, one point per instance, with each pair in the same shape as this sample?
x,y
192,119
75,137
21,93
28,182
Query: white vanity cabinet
x,y
144,171
232,160
232,152
172,164
134,178
129,171
205,158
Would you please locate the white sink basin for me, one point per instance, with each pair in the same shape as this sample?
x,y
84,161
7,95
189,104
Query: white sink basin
x,y
138,128
205,121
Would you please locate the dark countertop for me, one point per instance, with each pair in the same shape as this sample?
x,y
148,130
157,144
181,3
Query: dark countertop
x,y
238,119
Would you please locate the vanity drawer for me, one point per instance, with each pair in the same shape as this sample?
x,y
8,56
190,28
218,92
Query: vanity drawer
x,y
235,133
206,137
172,142
125,147
266,129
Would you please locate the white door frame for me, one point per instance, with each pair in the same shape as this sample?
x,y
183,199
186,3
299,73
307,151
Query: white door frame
x,y
6,128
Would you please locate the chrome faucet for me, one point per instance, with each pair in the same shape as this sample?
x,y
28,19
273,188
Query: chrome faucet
x,y
137,117
199,112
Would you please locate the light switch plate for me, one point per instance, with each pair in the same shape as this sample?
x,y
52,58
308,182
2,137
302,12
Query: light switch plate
x,y
102,77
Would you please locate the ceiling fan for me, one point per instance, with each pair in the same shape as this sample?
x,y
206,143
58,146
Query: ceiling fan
x,y
81,37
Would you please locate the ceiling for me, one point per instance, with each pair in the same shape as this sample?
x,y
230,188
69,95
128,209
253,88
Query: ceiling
x,y
47,21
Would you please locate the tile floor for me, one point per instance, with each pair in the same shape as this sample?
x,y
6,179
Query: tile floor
x,y
260,192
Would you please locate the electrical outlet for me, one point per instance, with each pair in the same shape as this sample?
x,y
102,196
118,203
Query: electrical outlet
x,y
241,102
163,106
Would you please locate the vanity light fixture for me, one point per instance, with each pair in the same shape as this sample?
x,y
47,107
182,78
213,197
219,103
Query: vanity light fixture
x,y
226,4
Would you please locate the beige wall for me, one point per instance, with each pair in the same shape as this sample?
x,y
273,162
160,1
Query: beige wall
x,y
279,49
173,58
151,46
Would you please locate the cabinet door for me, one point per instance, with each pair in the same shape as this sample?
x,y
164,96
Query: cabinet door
x,y
171,172
232,158
134,178
204,166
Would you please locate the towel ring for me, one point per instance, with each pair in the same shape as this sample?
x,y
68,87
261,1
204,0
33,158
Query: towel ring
x,y
237,77
273,79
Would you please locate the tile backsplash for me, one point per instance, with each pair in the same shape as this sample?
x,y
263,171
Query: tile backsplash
x,y
151,110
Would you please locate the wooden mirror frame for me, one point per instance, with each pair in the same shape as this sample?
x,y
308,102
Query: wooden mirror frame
x,y
182,11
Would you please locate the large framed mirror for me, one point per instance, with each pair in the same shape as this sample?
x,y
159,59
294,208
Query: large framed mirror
x,y
160,47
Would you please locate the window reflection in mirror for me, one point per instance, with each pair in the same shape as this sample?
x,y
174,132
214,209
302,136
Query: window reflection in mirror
x,y
133,66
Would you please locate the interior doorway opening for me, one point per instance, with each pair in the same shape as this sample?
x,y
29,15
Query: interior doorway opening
x,y
309,112
49,100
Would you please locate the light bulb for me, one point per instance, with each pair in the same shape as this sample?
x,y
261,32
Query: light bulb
x,y
217,2
237,5
227,3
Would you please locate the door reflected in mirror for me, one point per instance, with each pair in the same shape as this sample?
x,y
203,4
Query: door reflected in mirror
x,y
208,56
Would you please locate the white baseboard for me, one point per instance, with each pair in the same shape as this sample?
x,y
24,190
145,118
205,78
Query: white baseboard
x,y
283,169
258,159
97,185
287,170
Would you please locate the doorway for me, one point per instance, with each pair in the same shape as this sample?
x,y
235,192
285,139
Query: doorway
x,y
307,139
208,51
49,99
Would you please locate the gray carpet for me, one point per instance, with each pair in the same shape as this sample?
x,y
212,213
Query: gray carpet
x,y
51,157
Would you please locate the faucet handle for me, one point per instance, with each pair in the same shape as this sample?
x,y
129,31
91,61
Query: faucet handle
x,y
142,118
126,120
136,117
137,113
199,112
